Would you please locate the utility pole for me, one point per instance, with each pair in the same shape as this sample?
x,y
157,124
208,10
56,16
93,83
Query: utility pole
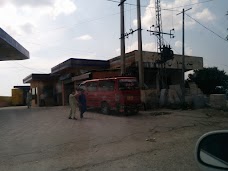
x,y
122,37
183,56
140,62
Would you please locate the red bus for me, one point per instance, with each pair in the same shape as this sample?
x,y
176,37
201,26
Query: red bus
x,y
121,94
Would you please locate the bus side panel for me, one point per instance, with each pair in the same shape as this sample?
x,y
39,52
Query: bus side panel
x,y
109,97
92,95
107,92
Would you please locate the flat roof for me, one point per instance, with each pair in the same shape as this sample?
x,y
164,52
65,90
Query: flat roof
x,y
10,49
79,63
22,87
127,55
151,58
38,77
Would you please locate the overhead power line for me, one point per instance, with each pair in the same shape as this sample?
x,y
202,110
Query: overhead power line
x,y
78,24
216,62
171,46
168,9
29,68
84,22
207,28
135,4
190,4
76,51
99,18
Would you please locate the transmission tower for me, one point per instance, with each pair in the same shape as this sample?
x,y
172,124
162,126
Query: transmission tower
x,y
165,51
158,31
158,26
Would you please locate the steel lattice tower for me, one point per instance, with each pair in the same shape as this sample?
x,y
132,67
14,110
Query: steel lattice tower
x,y
158,26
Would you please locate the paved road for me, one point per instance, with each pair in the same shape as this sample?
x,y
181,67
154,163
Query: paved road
x,y
44,139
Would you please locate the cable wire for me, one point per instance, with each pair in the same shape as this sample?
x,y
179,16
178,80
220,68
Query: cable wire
x,y
207,28
189,4
168,9
29,68
172,47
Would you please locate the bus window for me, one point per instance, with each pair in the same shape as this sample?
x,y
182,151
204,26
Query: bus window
x,y
128,84
106,85
92,86
83,86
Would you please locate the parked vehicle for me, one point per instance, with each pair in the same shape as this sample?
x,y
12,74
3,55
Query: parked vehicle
x,y
211,151
120,93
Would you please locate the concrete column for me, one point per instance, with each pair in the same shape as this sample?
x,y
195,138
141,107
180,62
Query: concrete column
x,y
63,94
157,81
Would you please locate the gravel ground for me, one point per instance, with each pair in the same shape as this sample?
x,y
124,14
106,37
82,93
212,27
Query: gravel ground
x,y
44,139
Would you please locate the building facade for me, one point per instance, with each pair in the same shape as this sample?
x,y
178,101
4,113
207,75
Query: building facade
x,y
157,76
67,75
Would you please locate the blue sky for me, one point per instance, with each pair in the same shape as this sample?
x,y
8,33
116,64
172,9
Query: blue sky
x,y
55,30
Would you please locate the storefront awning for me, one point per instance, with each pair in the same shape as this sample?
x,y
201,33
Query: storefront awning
x,y
81,77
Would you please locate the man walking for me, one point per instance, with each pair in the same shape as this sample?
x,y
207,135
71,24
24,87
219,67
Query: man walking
x,y
72,103
42,99
29,99
82,103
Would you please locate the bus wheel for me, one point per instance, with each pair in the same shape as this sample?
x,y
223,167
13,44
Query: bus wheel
x,y
105,108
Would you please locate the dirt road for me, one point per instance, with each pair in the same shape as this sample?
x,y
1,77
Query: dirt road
x,y
44,139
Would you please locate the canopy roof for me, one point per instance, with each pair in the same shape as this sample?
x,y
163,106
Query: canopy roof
x,y
10,49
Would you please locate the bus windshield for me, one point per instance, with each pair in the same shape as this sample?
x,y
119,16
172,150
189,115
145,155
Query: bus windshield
x,y
128,84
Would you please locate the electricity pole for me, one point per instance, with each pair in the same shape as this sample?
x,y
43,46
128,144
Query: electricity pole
x,y
183,56
122,37
140,62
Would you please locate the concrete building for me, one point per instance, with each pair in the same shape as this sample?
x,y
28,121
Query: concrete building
x,y
69,74
42,83
63,79
19,94
153,70
166,77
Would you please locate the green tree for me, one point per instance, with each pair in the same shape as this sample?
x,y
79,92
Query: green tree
x,y
208,80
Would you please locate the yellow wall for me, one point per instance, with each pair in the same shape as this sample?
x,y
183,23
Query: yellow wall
x,y
17,97
5,101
